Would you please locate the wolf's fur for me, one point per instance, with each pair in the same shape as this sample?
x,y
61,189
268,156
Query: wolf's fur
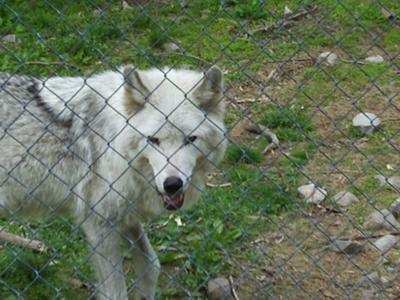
x,y
81,146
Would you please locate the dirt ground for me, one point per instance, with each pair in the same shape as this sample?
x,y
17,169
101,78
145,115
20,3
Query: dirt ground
x,y
294,261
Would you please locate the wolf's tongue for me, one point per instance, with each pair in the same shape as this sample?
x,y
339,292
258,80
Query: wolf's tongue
x,y
173,203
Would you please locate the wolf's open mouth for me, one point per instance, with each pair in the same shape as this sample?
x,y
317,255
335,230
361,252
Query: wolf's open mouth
x,y
173,202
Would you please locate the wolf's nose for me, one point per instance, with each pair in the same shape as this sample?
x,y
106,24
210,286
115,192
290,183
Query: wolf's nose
x,y
172,184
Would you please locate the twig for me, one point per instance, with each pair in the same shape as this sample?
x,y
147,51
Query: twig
x,y
271,76
233,292
367,237
347,61
43,63
260,129
222,185
288,20
252,100
23,242
272,27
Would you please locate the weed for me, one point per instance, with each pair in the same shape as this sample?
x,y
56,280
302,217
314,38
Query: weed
x,y
240,153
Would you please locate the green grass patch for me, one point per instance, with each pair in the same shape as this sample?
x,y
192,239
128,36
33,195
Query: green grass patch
x,y
289,123
242,154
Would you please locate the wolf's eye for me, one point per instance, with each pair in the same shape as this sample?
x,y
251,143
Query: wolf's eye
x,y
153,140
190,139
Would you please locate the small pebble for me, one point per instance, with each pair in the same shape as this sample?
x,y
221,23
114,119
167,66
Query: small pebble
x,y
346,246
393,181
344,199
382,219
366,121
327,58
10,38
312,194
385,243
218,288
394,208
377,59
287,11
171,47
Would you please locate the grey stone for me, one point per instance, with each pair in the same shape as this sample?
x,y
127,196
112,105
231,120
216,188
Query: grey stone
x,y
218,288
287,11
344,198
171,47
366,121
346,246
382,219
385,243
394,208
368,294
377,59
125,5
393,181
10,38
312,194
327,58
373,278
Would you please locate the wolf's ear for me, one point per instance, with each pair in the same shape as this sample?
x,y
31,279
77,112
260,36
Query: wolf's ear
x,y
208,93
136,92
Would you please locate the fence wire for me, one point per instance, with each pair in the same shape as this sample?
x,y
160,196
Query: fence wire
x,y
305,202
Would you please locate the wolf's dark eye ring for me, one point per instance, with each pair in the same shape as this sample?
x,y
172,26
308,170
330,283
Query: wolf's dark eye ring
x,y
153,140
190,139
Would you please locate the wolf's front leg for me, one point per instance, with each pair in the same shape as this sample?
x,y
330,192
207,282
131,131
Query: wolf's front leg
x,y
104,242
146,263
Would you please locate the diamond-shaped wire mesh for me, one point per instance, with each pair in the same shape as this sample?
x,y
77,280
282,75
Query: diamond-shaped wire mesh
x,y
302,205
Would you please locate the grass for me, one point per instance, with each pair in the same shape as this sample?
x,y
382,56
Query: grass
x,y
212,239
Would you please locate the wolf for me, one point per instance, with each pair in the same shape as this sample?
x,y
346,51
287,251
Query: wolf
x,y
113,150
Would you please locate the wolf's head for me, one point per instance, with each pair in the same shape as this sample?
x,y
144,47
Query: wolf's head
x,y
178,115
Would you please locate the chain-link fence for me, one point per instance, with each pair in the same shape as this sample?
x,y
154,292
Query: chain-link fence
x,y
301,205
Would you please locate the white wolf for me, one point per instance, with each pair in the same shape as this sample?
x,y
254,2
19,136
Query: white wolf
x,y
113,150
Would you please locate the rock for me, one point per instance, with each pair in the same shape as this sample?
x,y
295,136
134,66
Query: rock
x,y
393,181
327,58
373,278
312,194
388,14
287,11
346,246
385,243
377,59
381,179
125,5
367,122
171,47
394,208
10,38
368,294
382,219
218,288
344,199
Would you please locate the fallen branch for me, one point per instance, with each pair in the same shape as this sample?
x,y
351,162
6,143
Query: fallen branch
x,y
232,287
252,100
222,185
367,237
288,20
22,242
353,62
43,63
260,129
271,76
